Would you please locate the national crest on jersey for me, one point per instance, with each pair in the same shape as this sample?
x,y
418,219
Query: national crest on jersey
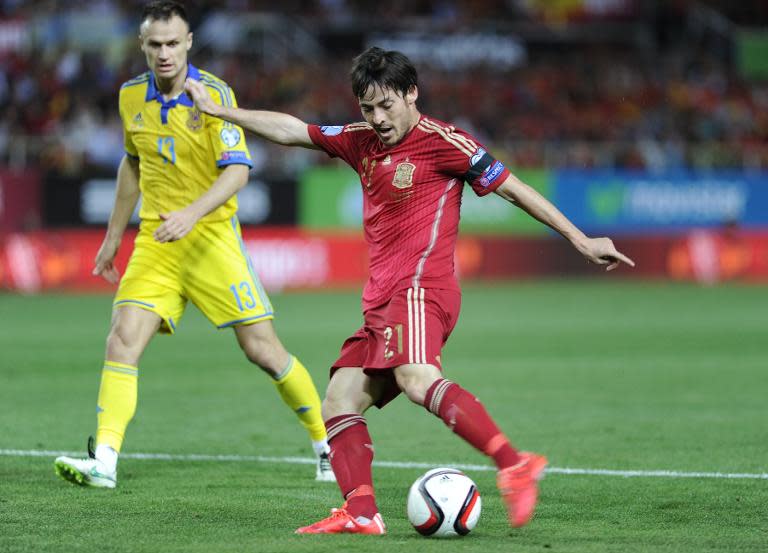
x,y
403,175
181,151
194,120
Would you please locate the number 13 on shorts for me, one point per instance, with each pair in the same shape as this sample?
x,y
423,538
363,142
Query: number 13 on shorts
x,y
243,295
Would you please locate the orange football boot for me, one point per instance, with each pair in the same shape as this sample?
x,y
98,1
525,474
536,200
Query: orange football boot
x,y
341,522
519,489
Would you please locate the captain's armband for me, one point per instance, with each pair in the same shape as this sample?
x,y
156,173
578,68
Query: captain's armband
x,y
478,164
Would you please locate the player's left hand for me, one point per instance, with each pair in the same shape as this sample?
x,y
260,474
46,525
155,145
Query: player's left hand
x,y
176,225
601,251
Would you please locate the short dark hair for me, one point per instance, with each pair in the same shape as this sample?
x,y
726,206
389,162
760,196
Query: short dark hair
x,y
163,10
387,69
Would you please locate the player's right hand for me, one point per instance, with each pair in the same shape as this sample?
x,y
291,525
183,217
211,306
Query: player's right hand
x,y
200,96
104,263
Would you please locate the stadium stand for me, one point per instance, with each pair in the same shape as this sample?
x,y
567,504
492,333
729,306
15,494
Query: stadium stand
x,y
668,94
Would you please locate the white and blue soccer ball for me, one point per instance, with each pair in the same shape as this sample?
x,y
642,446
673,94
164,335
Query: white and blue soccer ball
x,y
444,503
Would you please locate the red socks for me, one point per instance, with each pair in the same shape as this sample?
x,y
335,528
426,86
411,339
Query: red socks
x,y
465,415
352,452
351,457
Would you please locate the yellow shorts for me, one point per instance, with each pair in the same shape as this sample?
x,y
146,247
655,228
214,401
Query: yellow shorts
x,y
210,267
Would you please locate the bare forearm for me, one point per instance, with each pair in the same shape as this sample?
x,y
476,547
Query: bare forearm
x,y
177,224
230,181
276,127
280,128
126,197
596,250
541,209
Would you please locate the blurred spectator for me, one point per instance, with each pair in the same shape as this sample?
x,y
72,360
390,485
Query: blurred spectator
x,y
586,106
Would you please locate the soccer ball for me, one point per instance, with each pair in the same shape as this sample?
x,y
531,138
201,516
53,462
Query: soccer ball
x,y
444,503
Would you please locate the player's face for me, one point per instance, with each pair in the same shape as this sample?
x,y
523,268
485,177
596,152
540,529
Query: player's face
x,y
165,43
390,113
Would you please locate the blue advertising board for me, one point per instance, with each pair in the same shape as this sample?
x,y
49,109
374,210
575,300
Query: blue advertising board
x,y
642,203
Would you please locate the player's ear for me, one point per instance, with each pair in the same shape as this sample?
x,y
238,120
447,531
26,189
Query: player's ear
x,y
142,29
413,94
189,40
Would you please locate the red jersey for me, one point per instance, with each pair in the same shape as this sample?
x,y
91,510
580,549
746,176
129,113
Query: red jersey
x,y
411,199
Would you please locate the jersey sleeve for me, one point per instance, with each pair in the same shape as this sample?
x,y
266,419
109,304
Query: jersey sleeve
x,y
128,145
227,139
339,140
467,159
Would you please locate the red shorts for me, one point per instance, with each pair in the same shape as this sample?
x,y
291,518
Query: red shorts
x,y
411,328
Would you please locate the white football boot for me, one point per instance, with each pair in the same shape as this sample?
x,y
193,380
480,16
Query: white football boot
x,y
324,471
89,472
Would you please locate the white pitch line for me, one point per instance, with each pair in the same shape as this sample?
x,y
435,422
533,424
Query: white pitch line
x,y
391,464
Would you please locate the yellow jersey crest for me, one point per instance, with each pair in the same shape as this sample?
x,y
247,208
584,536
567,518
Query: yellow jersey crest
x,y
194,120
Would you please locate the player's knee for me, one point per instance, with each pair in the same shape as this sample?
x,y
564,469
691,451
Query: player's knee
x,y
263,353
263,348
333,408
122,342
329,409
415,383
335,404
259,356
415,393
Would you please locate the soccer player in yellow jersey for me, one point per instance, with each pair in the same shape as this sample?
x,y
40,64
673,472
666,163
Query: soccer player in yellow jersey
x,y
187,167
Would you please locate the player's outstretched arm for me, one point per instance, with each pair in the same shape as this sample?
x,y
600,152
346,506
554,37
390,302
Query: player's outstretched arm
x,y
276,127
600,251
126,196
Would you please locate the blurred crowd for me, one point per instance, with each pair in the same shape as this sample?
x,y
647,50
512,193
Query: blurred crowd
x,y
585,106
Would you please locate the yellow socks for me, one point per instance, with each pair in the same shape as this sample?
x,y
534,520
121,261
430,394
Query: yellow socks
x,y
118,397
298,391
117,403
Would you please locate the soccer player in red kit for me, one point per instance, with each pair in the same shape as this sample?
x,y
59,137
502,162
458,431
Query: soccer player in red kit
x,y
412,169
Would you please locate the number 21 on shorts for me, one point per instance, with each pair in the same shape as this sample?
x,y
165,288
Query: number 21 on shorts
x,y
389,333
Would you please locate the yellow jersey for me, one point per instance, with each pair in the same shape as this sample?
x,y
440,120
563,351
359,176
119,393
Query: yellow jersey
x,y
181,151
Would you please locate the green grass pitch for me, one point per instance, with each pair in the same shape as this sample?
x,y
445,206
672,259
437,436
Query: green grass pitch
x,y
596,374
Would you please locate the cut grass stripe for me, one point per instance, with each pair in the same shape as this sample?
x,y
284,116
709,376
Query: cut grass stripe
x,y
392,464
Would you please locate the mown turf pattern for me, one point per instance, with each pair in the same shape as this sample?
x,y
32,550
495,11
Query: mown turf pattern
x,y
595,374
